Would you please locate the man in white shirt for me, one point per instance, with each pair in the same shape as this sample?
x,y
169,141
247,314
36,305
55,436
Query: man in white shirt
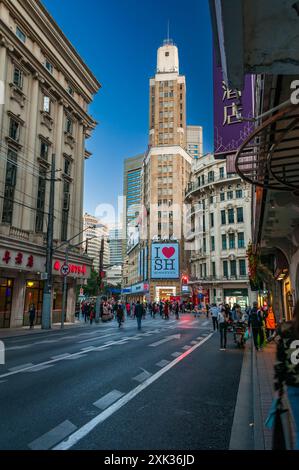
x,y
222,321
214,312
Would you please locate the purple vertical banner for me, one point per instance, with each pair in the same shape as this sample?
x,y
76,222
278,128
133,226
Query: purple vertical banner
x,y
230,106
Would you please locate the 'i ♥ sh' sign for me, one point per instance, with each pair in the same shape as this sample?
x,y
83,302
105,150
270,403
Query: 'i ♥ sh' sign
x,y
165,261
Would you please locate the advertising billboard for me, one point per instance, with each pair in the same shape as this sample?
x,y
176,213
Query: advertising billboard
x,y
233,110
165,261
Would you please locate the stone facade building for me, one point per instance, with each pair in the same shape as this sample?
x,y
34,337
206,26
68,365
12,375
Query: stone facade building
x,y
46,92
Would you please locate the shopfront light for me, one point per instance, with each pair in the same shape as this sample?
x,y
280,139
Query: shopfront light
x,y
30,284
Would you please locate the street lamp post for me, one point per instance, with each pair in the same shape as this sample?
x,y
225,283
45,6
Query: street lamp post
x,y
101,267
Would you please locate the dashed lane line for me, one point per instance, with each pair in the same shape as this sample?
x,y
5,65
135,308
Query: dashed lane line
x,y
79,434
176,354
108,399
19,368
49,439
162,363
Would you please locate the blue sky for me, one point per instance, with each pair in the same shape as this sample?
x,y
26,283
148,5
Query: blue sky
x,y
118,39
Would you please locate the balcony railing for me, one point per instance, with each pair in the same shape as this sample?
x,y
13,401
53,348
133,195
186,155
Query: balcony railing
x,y
194,186
212,279
19,233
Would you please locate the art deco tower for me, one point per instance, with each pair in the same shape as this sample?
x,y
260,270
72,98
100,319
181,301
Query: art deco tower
x,y
167,164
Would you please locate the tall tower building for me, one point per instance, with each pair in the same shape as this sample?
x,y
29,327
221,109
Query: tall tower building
x,y
132,185
166,171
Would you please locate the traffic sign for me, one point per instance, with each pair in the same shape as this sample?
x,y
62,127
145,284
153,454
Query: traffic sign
x,y
65,269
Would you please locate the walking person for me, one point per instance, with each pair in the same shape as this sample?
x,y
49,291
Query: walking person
x,y
207,310
287,366
223,324
176,310
166,311
214,312
270,323
86,311
91,313
31,315
139,313
120,316
255,322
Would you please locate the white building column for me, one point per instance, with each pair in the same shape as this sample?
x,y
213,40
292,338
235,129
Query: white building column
x,y
58,164
18,300
27,221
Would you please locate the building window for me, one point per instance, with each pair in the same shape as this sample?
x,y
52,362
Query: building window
x,y
203,204
240,214
14,129
46,104
233,268
222,196
204,244
213,269
200,270
231,240
223,218
230,194
239,193
221,172
202,179
212,219
224,242
18,77
225,269
212,243
70,90
48,66
231,218
166,54
67,166
204,223
20,34
10,183
44,150
40,205
210,176
65,210
211,199
241,241
242,267
69,125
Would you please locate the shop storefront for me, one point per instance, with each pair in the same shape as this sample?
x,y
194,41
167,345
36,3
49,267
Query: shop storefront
x,y
6,291
21,284
236,296
137,292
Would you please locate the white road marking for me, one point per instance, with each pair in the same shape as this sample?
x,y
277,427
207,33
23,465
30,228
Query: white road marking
x,y
38,368
143,376
88,427
199,337
14,348
89,348
165,340
95,339
19,368
162,363
108,399
60,356
205,323
186,347
176,354
193,342
49,439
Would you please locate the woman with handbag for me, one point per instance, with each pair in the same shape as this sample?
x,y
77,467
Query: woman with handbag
x,y
287,366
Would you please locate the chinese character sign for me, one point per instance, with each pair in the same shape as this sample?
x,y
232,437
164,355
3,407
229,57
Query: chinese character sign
x,y
165,261
232,109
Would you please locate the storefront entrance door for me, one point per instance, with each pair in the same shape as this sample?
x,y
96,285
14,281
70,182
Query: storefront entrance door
x,y
34,295
6,288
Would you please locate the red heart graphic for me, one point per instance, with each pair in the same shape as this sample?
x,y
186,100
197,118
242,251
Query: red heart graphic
x,y
168,252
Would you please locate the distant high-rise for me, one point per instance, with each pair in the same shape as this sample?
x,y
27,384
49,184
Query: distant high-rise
x,y
194,141
132,185
115,246
93,233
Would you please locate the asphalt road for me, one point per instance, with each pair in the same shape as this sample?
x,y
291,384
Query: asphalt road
x,y
100,387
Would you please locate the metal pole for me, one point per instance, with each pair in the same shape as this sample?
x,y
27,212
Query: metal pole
x,y
101,258
64,288
47,294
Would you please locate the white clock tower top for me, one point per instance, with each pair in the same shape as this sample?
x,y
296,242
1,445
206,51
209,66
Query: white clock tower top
x,y
167,57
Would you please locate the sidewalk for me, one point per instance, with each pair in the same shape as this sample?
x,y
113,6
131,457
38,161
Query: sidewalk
x,y
25,330
254,400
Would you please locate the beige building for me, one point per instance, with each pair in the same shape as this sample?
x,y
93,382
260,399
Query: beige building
x,y
94,232
219,232
195,141
47,90
165,174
